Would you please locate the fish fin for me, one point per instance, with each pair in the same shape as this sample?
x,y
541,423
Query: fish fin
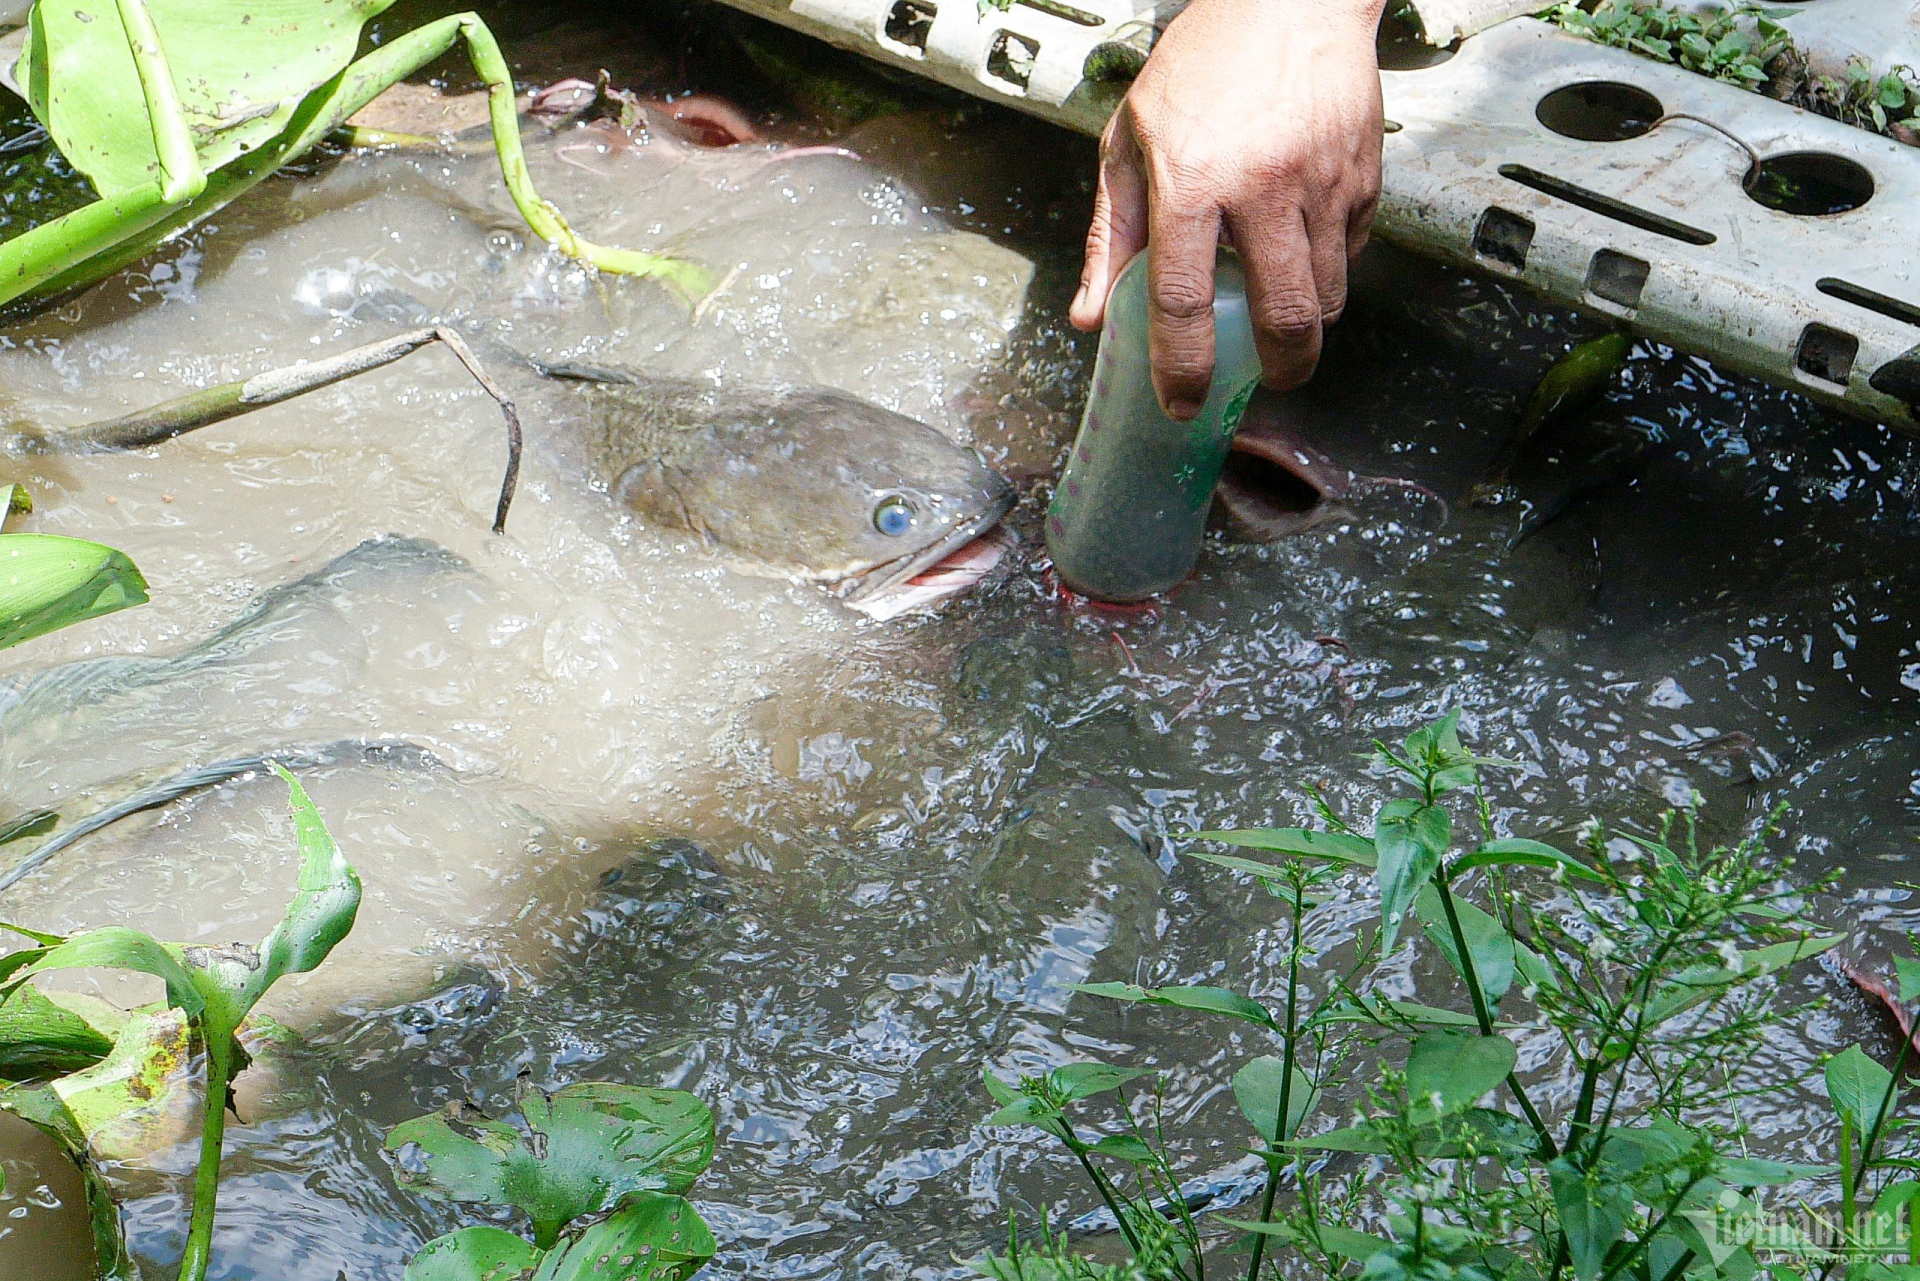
x,y
576,372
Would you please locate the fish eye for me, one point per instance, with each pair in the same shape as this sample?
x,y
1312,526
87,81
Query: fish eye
x,y
893,517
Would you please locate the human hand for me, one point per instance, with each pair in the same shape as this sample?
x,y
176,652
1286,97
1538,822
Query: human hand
x,y
1259,119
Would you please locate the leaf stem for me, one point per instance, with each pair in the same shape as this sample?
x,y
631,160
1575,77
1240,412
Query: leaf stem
x,y
1484,1016
206,1175
1286,1081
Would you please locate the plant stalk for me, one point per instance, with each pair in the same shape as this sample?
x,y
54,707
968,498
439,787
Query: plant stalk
x,y
1286,1083
206,1175
1484,1016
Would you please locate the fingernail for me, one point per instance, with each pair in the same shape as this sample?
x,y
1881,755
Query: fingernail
x,y
1182,410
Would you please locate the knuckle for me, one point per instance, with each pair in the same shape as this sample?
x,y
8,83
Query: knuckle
x,y
1181,294
1289,315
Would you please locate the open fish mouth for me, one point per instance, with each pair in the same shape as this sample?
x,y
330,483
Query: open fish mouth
x,y
1274,484
944,568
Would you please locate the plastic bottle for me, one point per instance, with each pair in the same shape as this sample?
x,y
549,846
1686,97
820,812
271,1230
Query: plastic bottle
x,y
1129,515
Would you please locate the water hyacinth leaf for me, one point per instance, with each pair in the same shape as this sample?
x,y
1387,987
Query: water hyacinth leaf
x,y
654,1237
142,1097
1341,847
324,904
588,1146
1858,1087
474,1254
1207,1000
48,582
1593,1214
1411,838
1074,1081
39,1038
111,947
1256,1087
1488,944
237,87
1449,1071
1514,851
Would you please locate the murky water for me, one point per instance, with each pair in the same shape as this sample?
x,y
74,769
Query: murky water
x,y
643,817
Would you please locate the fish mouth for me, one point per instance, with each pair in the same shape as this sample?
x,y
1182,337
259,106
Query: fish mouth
x,y
1274,484
869,591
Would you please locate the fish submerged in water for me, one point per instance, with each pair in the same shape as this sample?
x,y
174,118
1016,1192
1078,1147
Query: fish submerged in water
x,y
808,483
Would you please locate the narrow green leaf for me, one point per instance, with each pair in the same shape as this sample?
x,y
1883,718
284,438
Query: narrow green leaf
x,y
1411,839
1342,847
32,823
1125,1147
1519,852
474,1254
1206,1000
1489,945
39,1038
1593,1214
48,582
119,948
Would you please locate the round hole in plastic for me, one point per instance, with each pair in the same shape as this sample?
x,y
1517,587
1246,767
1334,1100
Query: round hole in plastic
x,y
1402,46
1599,111
1810,183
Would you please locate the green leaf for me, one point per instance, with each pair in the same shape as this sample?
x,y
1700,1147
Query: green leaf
x,y
1341,847
42,1108
587,1147
1909,973
1755,1172
1365,1137
1333,1239
238,84
1448,1071
32,823
48,582
1490,946
1256,1087
1411,839
1207,1000
130,1103
1700,983
1003,1092
1074,1081
111,947
1393,1014
474,1254
1593,1214
1029,1109
322,911
1516,851
1124,1147
39,1038
1858,1086
14,500
653,1237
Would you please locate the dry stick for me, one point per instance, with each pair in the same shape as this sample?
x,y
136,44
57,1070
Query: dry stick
x,y
215,404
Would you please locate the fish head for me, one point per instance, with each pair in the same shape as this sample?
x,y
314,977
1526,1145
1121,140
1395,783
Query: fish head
x,y
828,488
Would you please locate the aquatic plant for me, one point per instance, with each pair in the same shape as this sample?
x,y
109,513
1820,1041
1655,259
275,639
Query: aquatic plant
x,y
621,1152
1747,46
173,108
1642,976
210,991
48,581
